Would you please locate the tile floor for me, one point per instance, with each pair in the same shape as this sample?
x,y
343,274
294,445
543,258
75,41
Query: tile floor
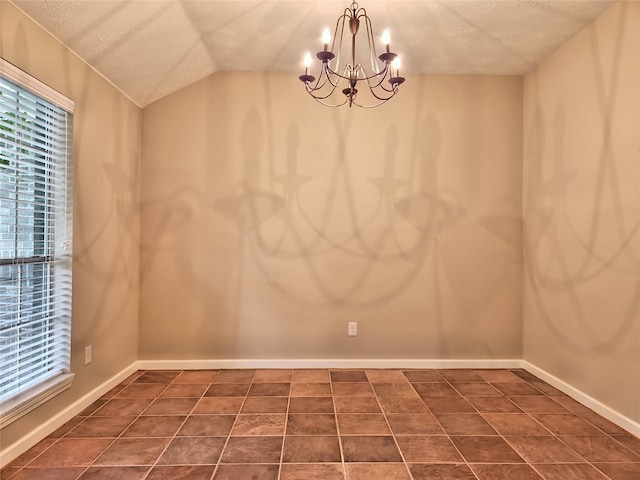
x,y
333,424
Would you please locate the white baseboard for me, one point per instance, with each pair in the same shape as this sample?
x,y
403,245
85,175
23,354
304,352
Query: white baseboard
x,y
16,449
600,408
215,364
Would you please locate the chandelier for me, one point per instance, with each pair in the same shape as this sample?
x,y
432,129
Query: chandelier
x,y
380,83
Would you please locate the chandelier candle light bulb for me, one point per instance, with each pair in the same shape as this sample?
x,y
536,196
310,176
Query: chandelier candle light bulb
x,y
386,39
326,38
380,83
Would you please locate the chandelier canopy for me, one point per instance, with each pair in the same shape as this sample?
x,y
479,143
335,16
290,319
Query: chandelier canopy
x,y
381,82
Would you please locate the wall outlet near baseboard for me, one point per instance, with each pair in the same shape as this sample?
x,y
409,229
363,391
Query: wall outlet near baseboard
x,y
353,329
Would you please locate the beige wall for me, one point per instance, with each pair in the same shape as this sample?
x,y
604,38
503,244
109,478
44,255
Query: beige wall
x,y
106,211
582,211
269,222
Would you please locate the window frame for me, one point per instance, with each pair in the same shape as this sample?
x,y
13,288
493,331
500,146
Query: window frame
x,y
57,261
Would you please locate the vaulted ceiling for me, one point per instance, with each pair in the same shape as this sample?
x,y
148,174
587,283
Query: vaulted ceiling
x,y
150,48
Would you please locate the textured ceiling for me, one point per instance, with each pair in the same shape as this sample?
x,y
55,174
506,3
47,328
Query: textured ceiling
x,y
150,48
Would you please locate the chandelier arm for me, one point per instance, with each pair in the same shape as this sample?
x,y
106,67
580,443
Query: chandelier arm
x,y
381,102
332,105
373,55
322,97
359,67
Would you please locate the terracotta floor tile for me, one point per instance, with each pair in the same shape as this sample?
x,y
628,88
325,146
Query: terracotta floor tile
x,y
273,376
600,448
526,376
352,390
114,391
311,424
66,428
207,426
133,451
546,388
515,424
311,449
464,424
71,452
370,449
155,426
428,449
486,450
185,390
602,423
629,441
193,451
114,473
171,406
198,377
620,471
402,405
423,376
566,424
183,472
105,427
125,408
461,375
252,450
260,424
494,405
311,471
141,390
427,390
450,404
235,376
413,424
573,471
476,389
571,405
227,389
218,405
545,449
93,407
349,376
498,375
394,390
435,424
311,376
362,424
310,390
265,405
269,390
34,451
441,472
499,471
516,388
371,471
538,404
311,405
238,472
160,376
45,473
386,376
356,405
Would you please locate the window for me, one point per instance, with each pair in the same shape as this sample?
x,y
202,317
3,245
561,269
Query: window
x,y
35,242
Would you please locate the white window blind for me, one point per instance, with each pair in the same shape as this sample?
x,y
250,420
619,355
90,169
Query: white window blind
x,y
35,241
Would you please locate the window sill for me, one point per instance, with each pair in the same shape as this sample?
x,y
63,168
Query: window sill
x,y
13,409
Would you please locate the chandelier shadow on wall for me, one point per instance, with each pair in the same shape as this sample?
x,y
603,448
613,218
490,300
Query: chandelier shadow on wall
x,y
341,82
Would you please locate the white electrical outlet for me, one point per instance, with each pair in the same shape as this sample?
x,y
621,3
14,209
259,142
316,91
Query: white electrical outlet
x,y
87,355
353,329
